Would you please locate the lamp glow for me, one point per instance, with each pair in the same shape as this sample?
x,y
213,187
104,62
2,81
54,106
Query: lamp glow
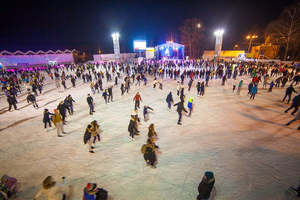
x,y
219,32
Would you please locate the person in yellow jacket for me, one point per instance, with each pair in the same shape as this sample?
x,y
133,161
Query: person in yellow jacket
x,y
95,130
58,123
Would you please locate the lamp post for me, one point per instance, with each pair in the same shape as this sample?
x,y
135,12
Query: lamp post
x,y
250,38
115,37
219,39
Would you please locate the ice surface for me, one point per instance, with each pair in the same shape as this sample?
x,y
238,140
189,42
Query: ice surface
x,y
244,142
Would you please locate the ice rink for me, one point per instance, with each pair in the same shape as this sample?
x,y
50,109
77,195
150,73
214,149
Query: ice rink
x,y
244,142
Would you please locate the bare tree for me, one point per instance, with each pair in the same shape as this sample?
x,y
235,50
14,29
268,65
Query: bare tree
x,y
191,34
286,29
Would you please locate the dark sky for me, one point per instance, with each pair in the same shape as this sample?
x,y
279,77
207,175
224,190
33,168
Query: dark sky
x,y
88,24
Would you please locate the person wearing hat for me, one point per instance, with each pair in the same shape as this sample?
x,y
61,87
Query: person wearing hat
x,y
206,185
89,192
92,192
46,118
53,190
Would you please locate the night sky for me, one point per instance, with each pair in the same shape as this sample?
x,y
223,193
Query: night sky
x,y
87,25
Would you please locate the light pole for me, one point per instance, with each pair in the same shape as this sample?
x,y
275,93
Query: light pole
x,y
251,38
115,37
219,39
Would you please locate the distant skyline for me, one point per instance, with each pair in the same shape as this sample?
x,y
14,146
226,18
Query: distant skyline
x,y
88,25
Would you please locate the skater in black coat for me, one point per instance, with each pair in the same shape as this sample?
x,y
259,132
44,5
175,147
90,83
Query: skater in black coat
x,y
63,111
180,108
31,98
150,153
169,100
206,185
90,101
132,127
46,118
288,93
295,105
198,88
12,101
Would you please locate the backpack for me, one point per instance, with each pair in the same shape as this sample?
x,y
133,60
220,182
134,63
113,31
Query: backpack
x,y
143,149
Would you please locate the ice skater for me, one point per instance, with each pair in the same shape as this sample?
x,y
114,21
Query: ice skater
x,y
206,185
58,123
31,99
288,93
180,108
87,138
295,105
239,87
137,99
46,118
90,102
150,151
169,100
146,112
190,105
132,127
253,91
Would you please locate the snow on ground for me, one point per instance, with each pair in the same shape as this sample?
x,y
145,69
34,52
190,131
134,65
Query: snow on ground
x,y
244,142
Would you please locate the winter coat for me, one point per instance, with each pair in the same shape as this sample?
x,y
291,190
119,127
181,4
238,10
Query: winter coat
x,y
87,136
145,111
89,100
30,98
56,118
88,196
296,100
62,109
180,107
132,126
290,90
254,90
46,117
169,98
205,188
190,105
11,100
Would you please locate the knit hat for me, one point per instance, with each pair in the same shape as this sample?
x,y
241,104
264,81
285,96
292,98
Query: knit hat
x,y
91,187
209,175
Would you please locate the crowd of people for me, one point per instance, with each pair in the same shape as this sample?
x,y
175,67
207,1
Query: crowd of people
x,y
127,75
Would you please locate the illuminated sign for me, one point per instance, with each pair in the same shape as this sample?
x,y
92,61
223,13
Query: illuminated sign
x,y
139,44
